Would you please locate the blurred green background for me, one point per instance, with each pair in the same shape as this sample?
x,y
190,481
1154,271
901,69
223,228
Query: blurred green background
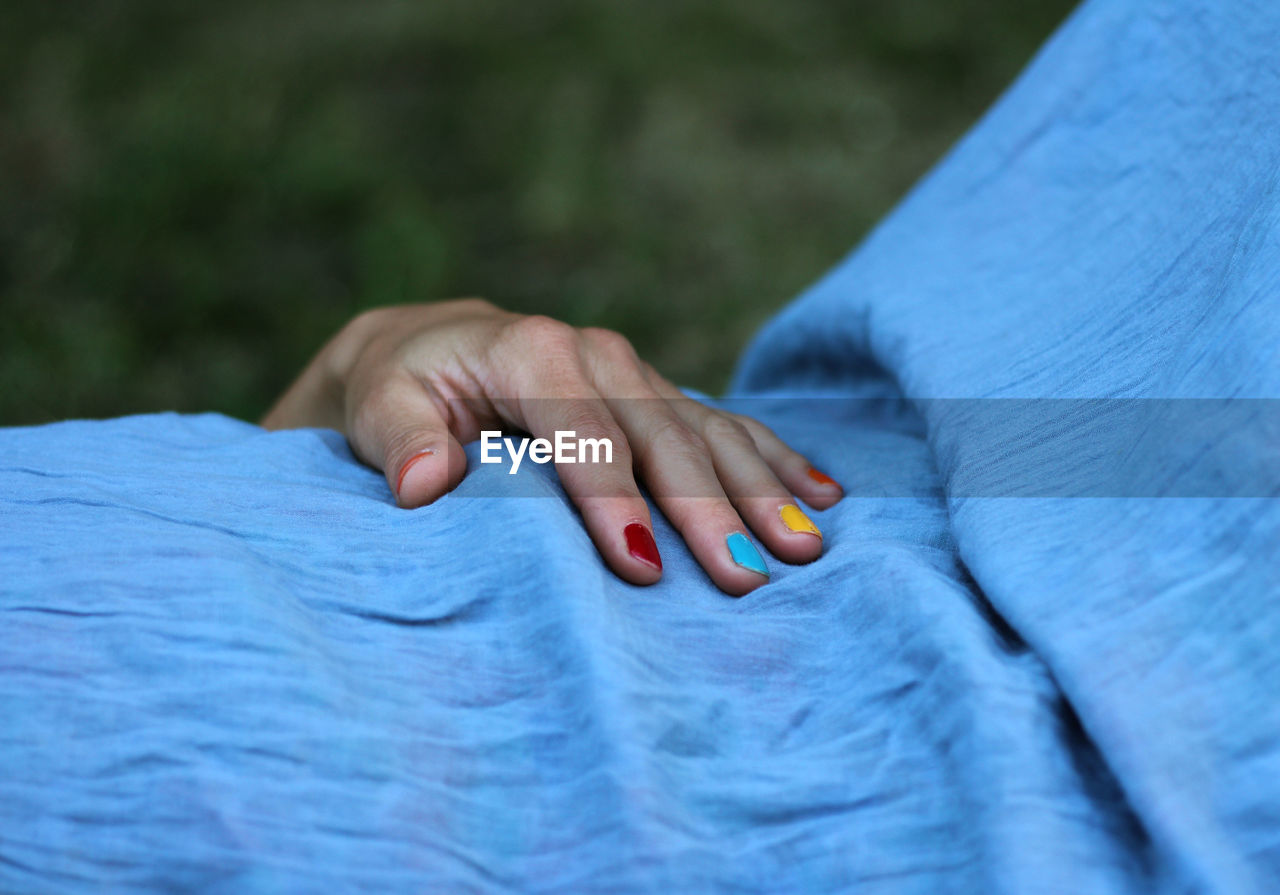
x,y
193,197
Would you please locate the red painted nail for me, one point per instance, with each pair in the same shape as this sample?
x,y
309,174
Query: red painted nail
x,y
822,478
640,544
408,464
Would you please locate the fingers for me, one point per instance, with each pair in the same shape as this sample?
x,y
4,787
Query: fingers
x,y
396,427
815,488
676,465
616,516
605,491
715,475
760,473
762,500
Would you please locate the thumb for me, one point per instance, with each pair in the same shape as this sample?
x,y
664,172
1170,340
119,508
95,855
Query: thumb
x,y
399,429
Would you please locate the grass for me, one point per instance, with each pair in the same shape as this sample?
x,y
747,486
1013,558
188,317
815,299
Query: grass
x,y
193,199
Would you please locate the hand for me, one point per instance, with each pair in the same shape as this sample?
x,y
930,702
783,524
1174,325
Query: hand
x,y
409,385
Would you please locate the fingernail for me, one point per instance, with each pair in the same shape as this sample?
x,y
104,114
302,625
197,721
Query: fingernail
x,y
822,478
745,554
640,544
408,464
797,521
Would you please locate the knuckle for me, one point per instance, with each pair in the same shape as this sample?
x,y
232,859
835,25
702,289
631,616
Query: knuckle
x,y
611,344
542,332
590,420
672,437
752,425
368,317
720,428
472,307
365,325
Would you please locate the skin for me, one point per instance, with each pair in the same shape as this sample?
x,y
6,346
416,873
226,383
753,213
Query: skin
x,y
399,381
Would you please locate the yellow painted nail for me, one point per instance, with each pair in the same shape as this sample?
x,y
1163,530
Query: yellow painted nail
x,y
795,520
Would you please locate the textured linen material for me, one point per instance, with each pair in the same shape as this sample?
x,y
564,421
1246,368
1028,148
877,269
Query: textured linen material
x,y
229,663
1111,230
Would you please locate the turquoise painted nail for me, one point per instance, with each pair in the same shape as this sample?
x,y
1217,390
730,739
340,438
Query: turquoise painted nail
x,y
745,554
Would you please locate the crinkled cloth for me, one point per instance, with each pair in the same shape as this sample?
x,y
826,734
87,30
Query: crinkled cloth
x,y
228,663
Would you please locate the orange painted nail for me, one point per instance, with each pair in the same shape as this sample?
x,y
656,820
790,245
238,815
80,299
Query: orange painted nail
x,y
795,520
408,464
822,478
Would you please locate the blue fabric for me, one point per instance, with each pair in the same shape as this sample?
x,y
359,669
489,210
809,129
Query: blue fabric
x,y
229,664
